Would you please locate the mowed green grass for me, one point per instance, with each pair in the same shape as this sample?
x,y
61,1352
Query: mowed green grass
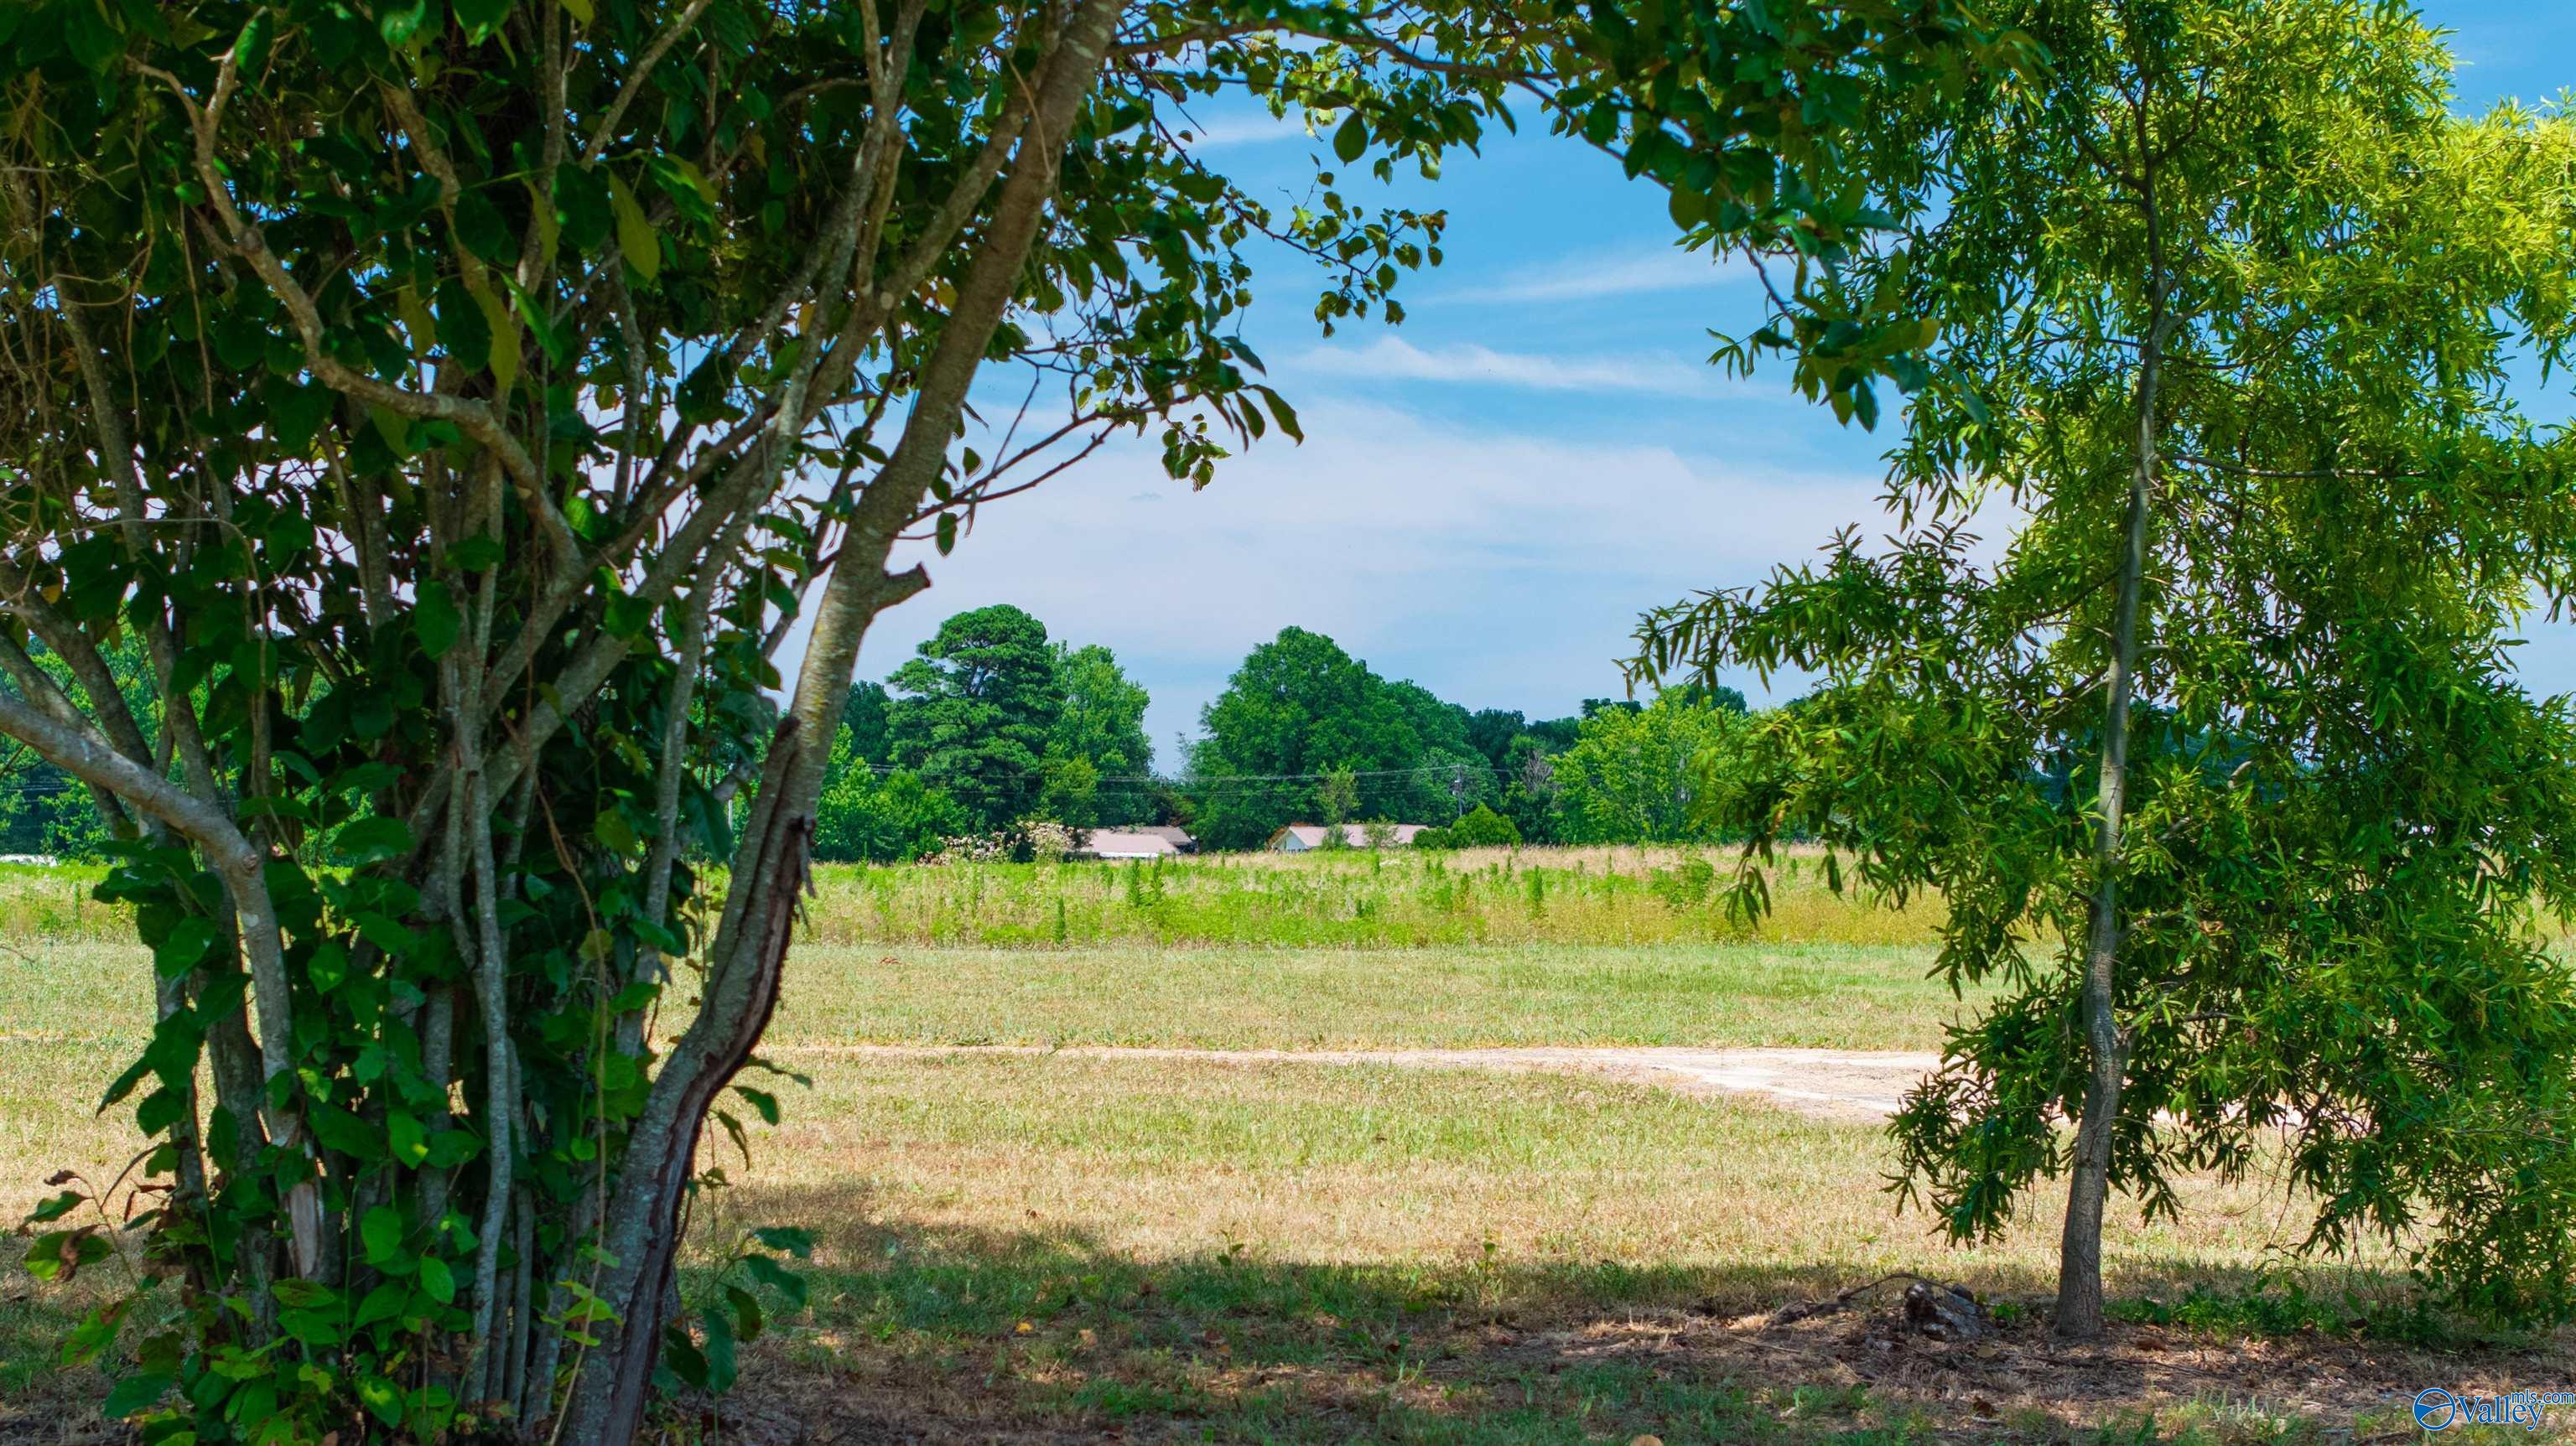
x,y
1830,996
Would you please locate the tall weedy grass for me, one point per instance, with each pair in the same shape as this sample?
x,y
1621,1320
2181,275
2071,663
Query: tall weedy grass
x,y
52,902
1354,898
1351,898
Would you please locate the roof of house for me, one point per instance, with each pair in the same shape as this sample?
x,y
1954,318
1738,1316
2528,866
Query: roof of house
x,y
1119,843
1354,834
1170,832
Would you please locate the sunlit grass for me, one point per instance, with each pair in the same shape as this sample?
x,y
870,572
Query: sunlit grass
x,y
1824,996
1357,898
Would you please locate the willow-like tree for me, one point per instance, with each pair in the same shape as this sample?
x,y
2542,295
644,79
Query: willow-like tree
x,y
458,401
2218,760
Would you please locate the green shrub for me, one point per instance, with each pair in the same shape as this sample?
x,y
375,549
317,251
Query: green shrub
x,y
1483,828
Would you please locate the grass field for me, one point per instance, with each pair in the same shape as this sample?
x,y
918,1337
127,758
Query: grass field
x,y
1049,1247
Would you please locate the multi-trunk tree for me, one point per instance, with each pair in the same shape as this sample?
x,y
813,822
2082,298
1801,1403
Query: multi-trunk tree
x,y
457,401
2215,752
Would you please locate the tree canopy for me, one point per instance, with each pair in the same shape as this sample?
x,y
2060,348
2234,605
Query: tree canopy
x,y
2219,764
974,714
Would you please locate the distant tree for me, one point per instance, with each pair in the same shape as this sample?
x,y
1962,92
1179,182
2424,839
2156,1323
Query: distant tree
x,y
864,817
1438,725
1711,695
1299,705
44,809
1482,828
1337,797
865,716
1554,735
1490,731
1529,788
974,713
1644,774
1099,732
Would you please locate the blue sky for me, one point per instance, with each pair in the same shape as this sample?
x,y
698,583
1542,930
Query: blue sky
x,y
1489,494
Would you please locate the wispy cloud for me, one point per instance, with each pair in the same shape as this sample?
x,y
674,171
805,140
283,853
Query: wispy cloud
x,y
1494,566
1590,278
1394,359
1232,131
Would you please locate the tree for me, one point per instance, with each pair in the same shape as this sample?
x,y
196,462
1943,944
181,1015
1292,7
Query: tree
x,y
864,715
2217,296
862,816
1100,726
458,403
1529,789
1482,828
973,714
1337,797
1644,775
1297,708
1490,731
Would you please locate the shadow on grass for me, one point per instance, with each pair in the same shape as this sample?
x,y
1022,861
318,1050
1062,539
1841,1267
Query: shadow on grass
x,y
970,1333
934,1333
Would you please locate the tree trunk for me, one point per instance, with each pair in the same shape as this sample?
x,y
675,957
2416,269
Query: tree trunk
x,y
748,954
2079,1261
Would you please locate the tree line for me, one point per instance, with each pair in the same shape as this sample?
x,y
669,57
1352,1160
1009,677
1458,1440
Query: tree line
x,y
994,727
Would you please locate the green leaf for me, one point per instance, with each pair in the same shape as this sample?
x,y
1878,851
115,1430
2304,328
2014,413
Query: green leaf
x,y
451,1148
382,1398
437,1280
404,1134
683,1357
371,840
435,618
636,239
1351,139
400,22
748,1318
550,338
134,1393
340,1130
721,1367
56,1208
382,1234
462,324
479,18
184,947
385,1302
250,47
503,328
612,829
477,553
88,34
419,327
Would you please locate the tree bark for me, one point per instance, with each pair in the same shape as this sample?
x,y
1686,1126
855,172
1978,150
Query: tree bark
x,y
2079,1268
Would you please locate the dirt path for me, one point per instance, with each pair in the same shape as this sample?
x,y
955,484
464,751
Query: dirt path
x,y
1857,1086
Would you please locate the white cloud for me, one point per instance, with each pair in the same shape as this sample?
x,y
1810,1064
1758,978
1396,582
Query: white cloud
x,y
1392,358
1496,568
1592,277
1233,131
